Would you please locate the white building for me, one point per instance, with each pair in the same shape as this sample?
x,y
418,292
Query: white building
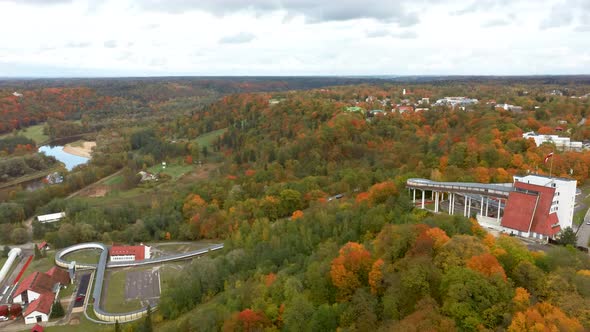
x,y
40,310
129,253
456,101
511,108
562,143
49,218
564,198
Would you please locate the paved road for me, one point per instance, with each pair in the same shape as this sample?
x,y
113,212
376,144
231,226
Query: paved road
x,y
584,231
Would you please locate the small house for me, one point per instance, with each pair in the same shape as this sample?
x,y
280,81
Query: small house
x,y
49,218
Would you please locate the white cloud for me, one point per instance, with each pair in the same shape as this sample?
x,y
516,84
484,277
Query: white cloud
x,y
293,37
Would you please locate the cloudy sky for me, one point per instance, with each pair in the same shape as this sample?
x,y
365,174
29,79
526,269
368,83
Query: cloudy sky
x,y
293,37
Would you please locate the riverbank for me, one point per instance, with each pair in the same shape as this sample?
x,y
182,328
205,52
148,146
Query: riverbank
x,y
82,150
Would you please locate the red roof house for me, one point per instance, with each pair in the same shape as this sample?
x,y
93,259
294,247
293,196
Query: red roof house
x,y
37,282
528,211
43,245
42,305
60,275
4,310
37,328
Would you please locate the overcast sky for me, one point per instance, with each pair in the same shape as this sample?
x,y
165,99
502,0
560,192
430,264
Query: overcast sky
x,y
293,37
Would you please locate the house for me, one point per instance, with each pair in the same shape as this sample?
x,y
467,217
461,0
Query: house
x,y
405,108
33,286
43,246
456,101
39,290
37,328
59,275
16,94
508,107
528,212
129,253
39,310
49,218
558,129
146,176
562,143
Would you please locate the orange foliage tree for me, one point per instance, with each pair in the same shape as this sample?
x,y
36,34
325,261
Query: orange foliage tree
x,y
376,277
380,192
439,237
543,317
487,265
297,214
522,299
350,269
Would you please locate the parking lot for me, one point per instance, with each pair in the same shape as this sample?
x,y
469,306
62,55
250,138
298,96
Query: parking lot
x,y
82,290
143,285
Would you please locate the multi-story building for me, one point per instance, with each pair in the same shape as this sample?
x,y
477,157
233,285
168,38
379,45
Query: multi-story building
x,y
562,143
564,198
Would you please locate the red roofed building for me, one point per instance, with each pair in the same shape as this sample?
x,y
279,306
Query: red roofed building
x,y
37,328
129,253
60,275
43,246
39,310
39,290
32,287
528,211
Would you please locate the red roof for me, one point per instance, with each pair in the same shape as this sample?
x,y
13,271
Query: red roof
x,y
37,328
59,275
4,310
42,245
37,282
528,209
42,304
138,251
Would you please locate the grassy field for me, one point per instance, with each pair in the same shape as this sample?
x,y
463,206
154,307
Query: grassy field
x,y
115,180
174,248
209,138
89,256
85,325
34,132
175,171
114,298
41,265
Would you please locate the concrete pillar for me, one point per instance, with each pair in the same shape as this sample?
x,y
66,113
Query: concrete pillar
x,y
414,200
487,205
481,207
465,198
499,206
436,202
423,197
469,207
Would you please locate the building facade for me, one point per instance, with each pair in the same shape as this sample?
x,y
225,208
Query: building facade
x,y
564,198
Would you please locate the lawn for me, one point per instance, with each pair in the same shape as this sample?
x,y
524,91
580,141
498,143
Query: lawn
x,y
175,248
89,256
34,132
209,138
175,171
85,325
114,297
115,180
41,265
2,261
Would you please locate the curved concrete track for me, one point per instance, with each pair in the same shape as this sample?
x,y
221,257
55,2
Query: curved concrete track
x,y
103,264
493,190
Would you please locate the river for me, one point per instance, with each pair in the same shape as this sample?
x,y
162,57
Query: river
x,y
69,160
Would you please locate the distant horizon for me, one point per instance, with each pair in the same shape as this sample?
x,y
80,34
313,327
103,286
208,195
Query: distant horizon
x,y
369,76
